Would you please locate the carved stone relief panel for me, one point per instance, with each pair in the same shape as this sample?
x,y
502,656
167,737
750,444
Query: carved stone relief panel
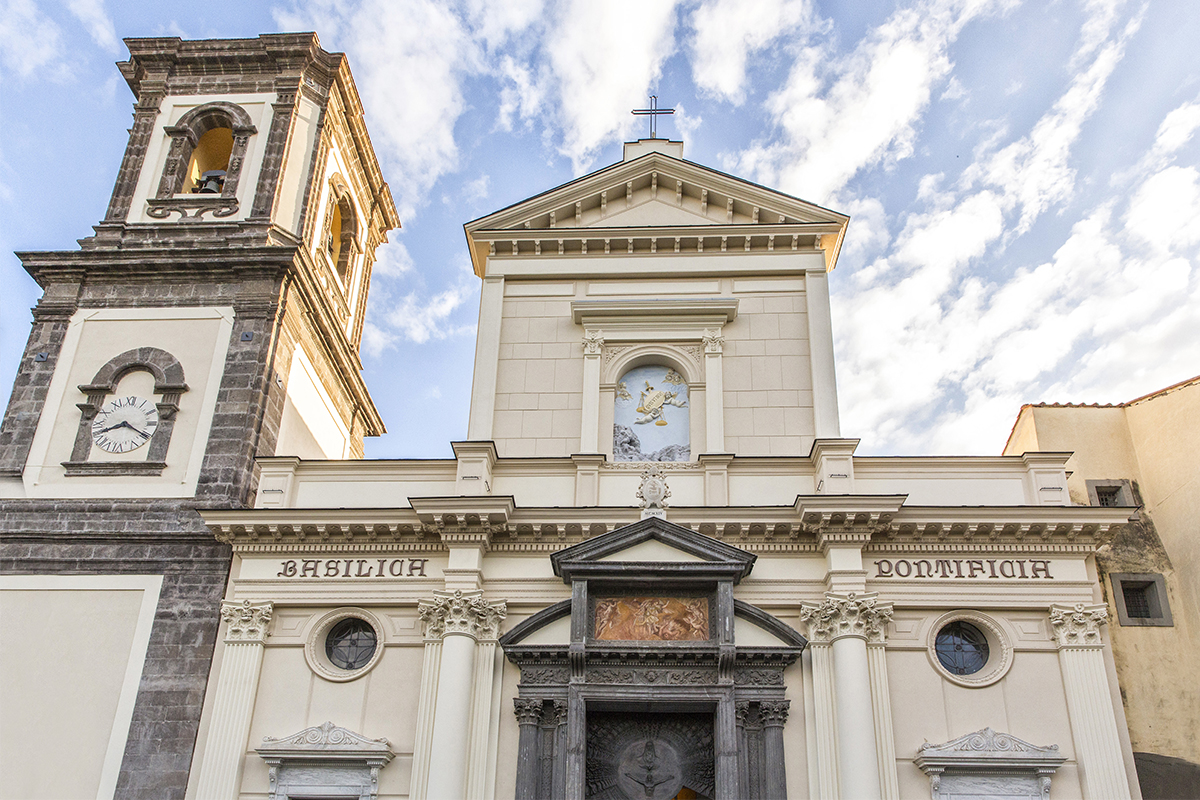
x,y
649,756
652,619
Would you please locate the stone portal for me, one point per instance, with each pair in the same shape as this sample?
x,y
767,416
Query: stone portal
x,y
639,756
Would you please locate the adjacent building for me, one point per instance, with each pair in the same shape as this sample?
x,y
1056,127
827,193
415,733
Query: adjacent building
x,y
1141,455
654,568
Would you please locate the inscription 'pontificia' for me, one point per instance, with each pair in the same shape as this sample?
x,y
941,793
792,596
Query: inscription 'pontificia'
x,y
353,568
964,568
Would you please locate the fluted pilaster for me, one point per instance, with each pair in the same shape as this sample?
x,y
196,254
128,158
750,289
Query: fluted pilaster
x,y
847,622
1076,631
229,722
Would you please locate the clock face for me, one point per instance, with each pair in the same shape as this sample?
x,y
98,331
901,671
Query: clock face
x,y
124,424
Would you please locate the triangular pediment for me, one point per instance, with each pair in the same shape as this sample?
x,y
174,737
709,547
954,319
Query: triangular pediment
x,y
655,204
656,190
650,545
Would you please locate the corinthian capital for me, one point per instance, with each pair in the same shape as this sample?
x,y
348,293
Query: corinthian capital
x,y
246,621
1078,625
461,612
842,615
593,342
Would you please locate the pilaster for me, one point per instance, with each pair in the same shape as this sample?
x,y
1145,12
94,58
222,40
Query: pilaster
x,y
716,477
847,622
1076,631
229,728
589,432
714,391
476,460
459,733
487,359
820,339
881,704
587,478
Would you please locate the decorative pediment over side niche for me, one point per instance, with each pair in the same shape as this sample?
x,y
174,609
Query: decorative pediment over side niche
x,y
653,545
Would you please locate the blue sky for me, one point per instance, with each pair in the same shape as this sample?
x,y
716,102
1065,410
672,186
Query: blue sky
x,y
1021,176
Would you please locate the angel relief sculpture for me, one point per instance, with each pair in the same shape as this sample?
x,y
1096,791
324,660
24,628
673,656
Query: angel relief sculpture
x,y
652,619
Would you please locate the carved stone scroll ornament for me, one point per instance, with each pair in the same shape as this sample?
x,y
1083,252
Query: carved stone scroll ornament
x,y
1078,625
774,712
460,612
246,621
860,615
990,762
593,343
325,754
653,492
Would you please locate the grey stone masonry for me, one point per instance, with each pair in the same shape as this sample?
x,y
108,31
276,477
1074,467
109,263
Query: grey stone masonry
x,y
156,537
270,280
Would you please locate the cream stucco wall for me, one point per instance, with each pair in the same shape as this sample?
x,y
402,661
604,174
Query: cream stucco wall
x,y
70,665
198,337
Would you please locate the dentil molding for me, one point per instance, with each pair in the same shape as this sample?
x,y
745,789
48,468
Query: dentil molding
x,y
246,621
842,615
460,612
1078,625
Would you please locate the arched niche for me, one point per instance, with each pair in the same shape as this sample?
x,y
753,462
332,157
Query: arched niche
x,y
649,394
169,385
209,139
340,233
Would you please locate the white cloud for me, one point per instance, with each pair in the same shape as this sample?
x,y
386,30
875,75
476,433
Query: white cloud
x,y
29,40
602,58
838,116
1165,210
476,190
419,319
94,17
1177,128
410,58
392,260
926,316
728,32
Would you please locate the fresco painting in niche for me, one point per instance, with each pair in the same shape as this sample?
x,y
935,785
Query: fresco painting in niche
x,y
650,417
652,619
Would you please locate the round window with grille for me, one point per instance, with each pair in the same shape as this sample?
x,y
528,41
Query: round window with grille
x,y
962,648
350,644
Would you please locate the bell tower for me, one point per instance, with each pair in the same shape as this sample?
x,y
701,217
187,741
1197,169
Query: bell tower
x,y
237,249
213,317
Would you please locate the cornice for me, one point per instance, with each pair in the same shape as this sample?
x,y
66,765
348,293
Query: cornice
x,y
866,521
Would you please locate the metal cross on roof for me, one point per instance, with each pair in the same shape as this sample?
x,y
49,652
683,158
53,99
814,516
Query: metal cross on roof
x,y
653,112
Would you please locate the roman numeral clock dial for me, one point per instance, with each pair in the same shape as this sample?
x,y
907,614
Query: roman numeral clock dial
x,y
124,424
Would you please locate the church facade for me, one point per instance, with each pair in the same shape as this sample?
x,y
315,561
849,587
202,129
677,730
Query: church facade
x,y
655,568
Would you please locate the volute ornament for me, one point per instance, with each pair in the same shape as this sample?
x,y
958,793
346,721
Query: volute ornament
x,y
593,343
714,342
460,612
841,615
246,621
1078,625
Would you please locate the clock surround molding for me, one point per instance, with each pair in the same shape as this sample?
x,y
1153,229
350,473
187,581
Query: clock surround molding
x,y
169,384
